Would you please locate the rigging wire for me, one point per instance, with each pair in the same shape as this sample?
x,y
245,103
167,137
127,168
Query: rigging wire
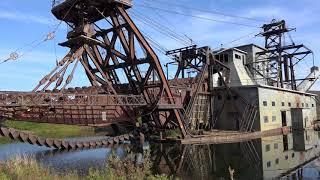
x,y
306,66
160,29
163,50
207,11
151,24
167,29
15,55
196,16
237,39
173,28
240,38
156,44
34,44
65,16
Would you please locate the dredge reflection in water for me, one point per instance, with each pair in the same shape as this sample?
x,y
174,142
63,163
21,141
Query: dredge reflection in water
x,y
291,156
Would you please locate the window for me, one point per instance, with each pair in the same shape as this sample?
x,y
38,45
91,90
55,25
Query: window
x,y
307,105
298,105
277,161
312,105
237,56
274,118
273,103
292,155
268,164
226,58
285,143
275,146
289,104
265,103
267,147
305,121
282,104
222,57
286,157
302,104
265,119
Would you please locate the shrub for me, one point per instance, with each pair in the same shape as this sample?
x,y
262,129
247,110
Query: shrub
x,y
25,168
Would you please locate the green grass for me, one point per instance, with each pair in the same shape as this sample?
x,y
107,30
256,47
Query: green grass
x,y
5,140
175,133
23,168
51,130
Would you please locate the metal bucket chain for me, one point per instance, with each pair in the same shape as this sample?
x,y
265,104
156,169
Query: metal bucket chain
x,y
61,144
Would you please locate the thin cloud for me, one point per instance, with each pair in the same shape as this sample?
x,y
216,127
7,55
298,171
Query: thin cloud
x,y
24,17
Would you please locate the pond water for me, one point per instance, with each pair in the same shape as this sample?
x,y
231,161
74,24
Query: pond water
x,y
291,156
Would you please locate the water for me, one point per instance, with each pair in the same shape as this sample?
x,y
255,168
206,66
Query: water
x,y
293,155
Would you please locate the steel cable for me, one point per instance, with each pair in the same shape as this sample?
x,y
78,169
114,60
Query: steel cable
x,y
162,27
157,29
34,44
204,10
196,16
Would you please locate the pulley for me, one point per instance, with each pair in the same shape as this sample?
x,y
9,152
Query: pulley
x,y
50,36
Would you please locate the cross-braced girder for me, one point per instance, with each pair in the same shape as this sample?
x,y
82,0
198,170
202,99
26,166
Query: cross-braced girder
x,y
276,63
115,56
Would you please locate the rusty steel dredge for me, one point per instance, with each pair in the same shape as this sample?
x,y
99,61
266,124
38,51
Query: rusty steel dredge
x,y
107,43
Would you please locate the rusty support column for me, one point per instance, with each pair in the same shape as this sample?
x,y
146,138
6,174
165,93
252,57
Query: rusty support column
x,y
156,65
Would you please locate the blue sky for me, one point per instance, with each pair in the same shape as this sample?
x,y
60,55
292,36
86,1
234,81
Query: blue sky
x,y
23,22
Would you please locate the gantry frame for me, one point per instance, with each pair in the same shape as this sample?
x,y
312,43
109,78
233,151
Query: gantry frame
x,y
105,52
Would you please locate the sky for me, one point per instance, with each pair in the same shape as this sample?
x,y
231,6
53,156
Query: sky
x,y
25,23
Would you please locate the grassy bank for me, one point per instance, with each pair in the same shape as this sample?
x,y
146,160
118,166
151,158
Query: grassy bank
x,y
21,168
4,140
48,130
51,130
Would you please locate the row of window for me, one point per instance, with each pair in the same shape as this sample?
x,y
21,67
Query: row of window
x,y
277,160
275,146
269,162
222,57
225,58
273,103
266,119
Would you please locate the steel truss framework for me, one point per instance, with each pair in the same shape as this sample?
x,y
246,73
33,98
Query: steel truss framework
x,y
276,63
201,104
188,58
11,99
105,53
124,70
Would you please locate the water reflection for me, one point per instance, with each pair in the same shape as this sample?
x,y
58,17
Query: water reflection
x,y
292,156
208,161
63,161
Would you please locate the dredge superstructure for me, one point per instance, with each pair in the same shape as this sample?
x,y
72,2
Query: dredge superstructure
x,y
107,43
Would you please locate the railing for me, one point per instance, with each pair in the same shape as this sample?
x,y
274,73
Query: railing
x,y
18,99
126,2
